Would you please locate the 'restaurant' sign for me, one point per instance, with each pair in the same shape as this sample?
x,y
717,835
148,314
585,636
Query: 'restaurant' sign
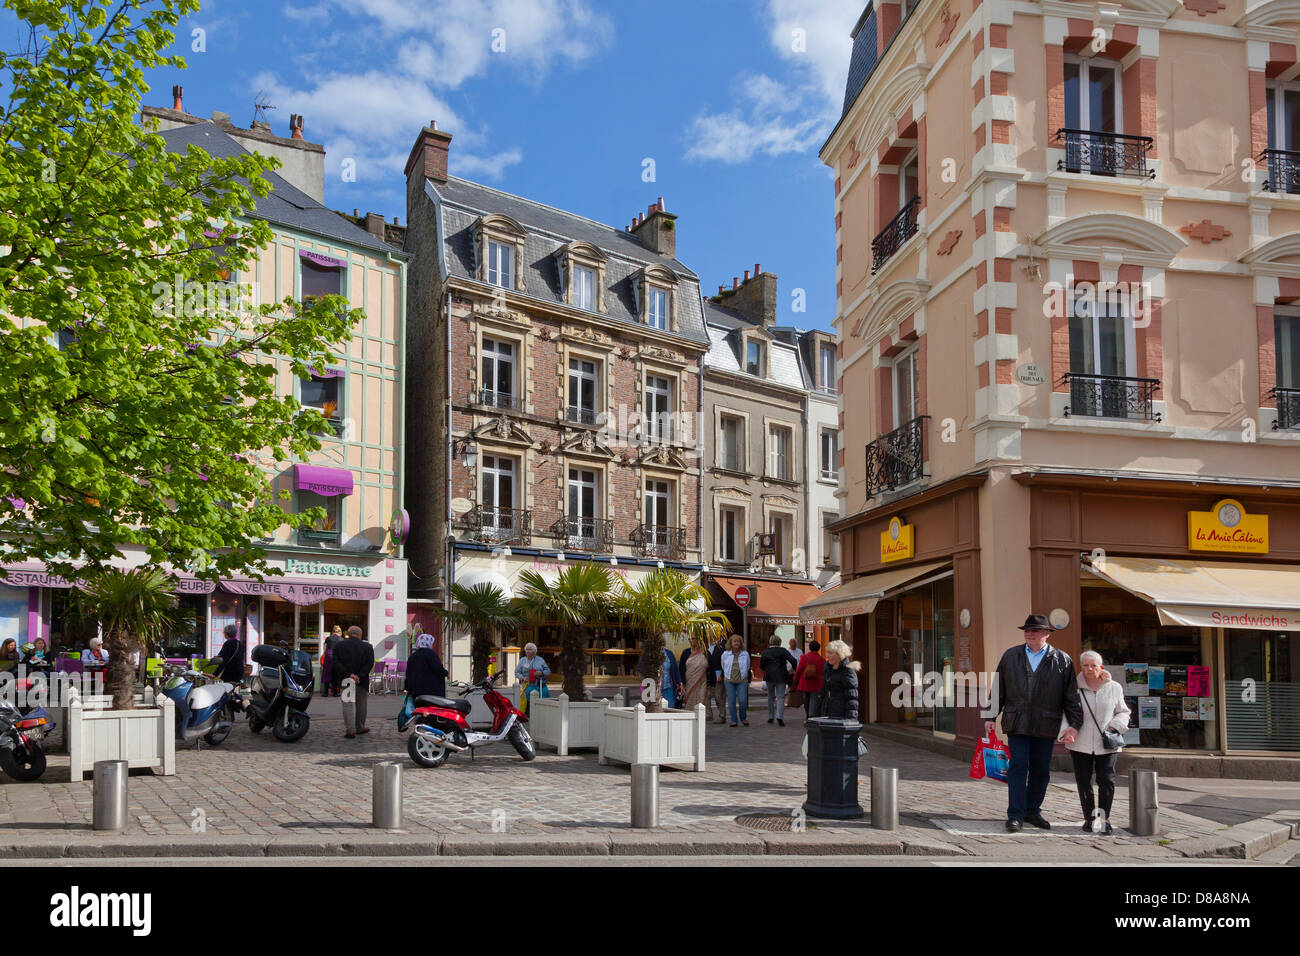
x,y
1227,528
898,542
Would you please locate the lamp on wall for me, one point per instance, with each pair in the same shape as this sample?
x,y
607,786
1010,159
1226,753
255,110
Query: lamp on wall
x,y
467,450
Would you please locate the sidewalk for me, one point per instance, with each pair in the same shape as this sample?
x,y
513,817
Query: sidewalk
x,y
255,796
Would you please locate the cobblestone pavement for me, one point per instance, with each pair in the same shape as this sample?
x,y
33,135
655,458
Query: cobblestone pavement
x,y
255,787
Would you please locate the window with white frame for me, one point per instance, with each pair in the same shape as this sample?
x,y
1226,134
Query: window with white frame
x,y
324,393
584,504
1093,95
1282,101
909,178
658,503
583,381
658,409
1101,335
657,308
782,527
731,533
830,542
497,518
779,442
498,378
732,448
829,468
907,386
826,367
500,264
584,288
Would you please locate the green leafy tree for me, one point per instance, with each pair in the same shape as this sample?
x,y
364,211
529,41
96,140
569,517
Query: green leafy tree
x,y
666,602
484,611
138,398
135,608
579,597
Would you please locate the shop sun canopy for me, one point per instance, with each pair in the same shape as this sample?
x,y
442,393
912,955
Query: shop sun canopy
x,y
773,602
321,480
861,595
1263,597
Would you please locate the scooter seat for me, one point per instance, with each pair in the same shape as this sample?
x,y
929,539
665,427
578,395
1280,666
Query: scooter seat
x,y
430,700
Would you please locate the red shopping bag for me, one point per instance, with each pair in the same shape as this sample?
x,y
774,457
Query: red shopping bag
x,y
977,761
992,759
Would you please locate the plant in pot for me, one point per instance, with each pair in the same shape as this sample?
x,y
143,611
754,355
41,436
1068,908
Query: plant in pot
x,y
135,608
661,603
484,610
578,597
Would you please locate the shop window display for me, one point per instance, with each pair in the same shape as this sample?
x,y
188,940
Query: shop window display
x,y
1165,669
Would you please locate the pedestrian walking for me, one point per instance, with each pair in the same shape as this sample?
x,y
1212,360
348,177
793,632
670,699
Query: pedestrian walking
x,y
839,693
808,679
775,664
327,681
717,685
1106,716
354,659
230,659
695,676
1036,688
670,680
735,674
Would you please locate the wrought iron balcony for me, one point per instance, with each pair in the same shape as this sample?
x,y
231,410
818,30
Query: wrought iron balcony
x,y
574,533
1283,170
1105,154
582,416
499,525
1288,407
503,400
890,239
898,458
659,541
1111,396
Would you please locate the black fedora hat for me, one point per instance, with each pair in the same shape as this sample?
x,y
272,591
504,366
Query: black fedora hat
x,y
1037,622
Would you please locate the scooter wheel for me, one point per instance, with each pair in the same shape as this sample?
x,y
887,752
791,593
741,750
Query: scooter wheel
x,y
217,738
27,765
291,726
425,752
522,741
255,723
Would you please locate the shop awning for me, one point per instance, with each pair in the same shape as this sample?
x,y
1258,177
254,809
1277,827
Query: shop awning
x,y
773,602
321,480
1263,597
861,595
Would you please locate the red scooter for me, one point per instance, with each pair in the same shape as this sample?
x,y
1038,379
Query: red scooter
x,y
440,726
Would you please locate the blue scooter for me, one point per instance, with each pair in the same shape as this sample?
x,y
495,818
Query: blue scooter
x,y
205,708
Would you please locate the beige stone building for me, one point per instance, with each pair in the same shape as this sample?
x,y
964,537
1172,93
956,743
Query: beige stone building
x,y
1069,244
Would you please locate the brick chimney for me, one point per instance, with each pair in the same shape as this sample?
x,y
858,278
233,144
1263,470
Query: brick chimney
x,y
177,94
295,126
755,298
375,224
657,230
428,157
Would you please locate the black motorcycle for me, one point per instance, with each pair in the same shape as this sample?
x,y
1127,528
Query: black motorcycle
x,y
22,756
281,692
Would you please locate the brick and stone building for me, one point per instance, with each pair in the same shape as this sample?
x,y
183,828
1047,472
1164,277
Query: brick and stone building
x,y
554,390
1069,260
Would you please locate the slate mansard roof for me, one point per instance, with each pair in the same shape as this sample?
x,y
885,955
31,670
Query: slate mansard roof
x,y
287,205
726,341
548,230
863,59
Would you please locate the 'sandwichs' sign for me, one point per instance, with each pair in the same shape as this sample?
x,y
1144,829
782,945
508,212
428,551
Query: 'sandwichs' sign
x,y
1227,528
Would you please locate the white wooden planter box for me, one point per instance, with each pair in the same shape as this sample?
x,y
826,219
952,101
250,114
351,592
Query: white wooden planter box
x,y
480,715
557,722
674,737
144,737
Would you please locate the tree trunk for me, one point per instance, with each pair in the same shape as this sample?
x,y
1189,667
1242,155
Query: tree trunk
x,y
652,665
573,651
481,650
119,677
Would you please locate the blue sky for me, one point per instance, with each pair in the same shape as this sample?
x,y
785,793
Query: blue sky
x,y
730,99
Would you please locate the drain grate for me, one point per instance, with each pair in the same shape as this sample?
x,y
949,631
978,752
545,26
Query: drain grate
x,y
773,822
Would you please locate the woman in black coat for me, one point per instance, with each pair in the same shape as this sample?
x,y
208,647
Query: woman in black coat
x,y
840,683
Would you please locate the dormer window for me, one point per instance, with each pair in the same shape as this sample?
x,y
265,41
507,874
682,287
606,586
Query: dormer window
x,y
655,290
754,358
582,275
657,314
500,265
584,287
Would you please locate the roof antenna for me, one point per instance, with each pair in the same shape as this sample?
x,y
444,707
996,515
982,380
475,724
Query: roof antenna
x,y
260,106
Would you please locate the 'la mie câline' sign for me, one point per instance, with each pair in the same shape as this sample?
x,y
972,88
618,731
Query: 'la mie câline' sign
x,y
1227,528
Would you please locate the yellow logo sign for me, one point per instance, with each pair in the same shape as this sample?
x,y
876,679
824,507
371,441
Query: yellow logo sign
x,y
897,543
1227,528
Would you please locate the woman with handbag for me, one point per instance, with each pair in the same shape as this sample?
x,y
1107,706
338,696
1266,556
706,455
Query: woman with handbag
x,y
695,675
1100,739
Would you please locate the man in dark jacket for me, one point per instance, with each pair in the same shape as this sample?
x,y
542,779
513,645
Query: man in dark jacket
x,y
776,662
1035,685
354,659
231,656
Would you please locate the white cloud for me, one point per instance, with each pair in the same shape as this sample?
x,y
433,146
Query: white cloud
x,y
774,117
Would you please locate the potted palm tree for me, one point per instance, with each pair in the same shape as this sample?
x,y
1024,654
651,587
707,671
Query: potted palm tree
x,y
134,608
579,597
664,602
484,611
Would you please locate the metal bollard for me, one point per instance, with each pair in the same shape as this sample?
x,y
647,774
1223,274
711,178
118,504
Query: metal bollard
x,y
109,798
884,798
645,795
386,796
1144,802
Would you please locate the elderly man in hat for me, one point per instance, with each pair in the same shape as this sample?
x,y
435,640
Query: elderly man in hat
x,y
1035,686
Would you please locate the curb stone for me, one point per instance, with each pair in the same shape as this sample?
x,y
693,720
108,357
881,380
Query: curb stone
x,y
468,845
806,844
650,844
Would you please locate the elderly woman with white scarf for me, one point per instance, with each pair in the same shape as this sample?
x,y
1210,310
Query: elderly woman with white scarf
x,y
425,675
1104,715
